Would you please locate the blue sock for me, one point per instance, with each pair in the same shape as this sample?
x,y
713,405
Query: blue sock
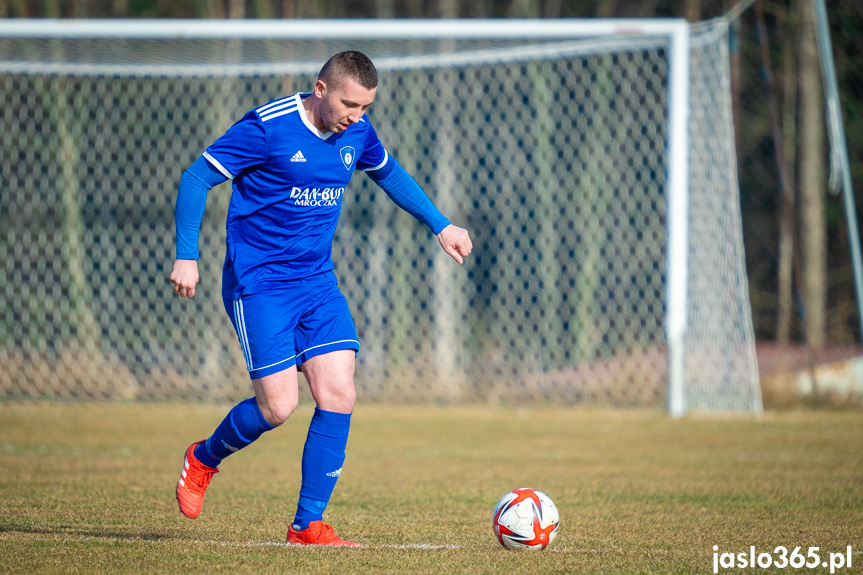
x,y
323,456
243,425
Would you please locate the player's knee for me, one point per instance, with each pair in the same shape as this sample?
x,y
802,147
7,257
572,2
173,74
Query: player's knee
x,y
350,398
278,412
341,399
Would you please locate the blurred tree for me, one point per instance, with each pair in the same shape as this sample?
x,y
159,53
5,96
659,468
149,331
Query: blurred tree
x,y
786,216
263,9
523,9
693,10
120,8
552,9
236,9
605,8
813,179
385,8
789,259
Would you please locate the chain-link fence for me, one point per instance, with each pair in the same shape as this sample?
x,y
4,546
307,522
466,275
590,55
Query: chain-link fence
x,y
556,163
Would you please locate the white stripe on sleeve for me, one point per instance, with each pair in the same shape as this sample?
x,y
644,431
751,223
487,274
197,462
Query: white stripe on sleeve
x,y
215,163
381,165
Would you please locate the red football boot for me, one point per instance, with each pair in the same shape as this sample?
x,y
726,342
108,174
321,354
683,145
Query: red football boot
x,y
318,533
193,482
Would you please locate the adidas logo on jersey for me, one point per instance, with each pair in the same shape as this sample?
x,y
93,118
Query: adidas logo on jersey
x,y
335,473
298,157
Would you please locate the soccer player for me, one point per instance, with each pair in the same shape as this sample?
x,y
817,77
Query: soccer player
x,y
290,161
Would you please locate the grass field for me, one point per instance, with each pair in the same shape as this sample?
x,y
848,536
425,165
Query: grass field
x,y
89,488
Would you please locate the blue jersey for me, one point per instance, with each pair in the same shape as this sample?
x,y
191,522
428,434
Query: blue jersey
x,y
289,181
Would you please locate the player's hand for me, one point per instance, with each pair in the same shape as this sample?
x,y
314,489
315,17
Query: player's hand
x,y
456,242
184,277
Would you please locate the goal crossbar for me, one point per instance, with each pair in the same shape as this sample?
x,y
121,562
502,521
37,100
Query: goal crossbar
x,y
335,29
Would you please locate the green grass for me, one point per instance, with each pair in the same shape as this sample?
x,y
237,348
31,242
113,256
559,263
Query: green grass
x,y
88,488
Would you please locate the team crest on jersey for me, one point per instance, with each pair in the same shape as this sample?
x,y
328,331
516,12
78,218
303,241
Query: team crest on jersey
x,y
348,154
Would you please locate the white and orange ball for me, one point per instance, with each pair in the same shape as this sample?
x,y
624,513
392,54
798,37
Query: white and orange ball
x,y
526,519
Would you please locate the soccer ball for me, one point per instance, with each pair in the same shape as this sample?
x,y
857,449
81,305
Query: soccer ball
x,y
526,519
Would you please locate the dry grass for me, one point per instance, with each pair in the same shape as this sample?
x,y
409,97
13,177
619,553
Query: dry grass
x,y
88,488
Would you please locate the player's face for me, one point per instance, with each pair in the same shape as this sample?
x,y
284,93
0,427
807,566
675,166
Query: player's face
x,y
342,103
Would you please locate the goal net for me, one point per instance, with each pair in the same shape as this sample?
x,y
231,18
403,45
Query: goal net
x,y
608,263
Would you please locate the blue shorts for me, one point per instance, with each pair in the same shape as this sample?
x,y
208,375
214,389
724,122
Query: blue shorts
x,y
285,326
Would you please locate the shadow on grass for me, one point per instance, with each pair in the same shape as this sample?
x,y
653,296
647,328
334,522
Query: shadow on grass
x,y
85,534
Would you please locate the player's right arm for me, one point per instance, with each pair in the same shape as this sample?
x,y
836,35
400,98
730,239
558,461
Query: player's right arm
x,y
191,200
241,148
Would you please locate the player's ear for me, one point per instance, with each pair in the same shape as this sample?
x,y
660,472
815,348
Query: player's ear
x,y
320,88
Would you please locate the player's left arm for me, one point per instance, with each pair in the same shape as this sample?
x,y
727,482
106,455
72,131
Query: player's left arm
x,y
407,194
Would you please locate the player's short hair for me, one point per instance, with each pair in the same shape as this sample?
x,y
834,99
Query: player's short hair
x,y
350,64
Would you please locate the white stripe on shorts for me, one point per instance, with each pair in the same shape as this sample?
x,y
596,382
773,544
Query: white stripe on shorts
x,y
328,343
240,318
309,349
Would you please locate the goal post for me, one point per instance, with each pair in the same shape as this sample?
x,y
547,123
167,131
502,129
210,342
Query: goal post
x,y
677,200
593,160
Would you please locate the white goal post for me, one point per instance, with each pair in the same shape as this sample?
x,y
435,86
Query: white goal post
x,y
640,117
